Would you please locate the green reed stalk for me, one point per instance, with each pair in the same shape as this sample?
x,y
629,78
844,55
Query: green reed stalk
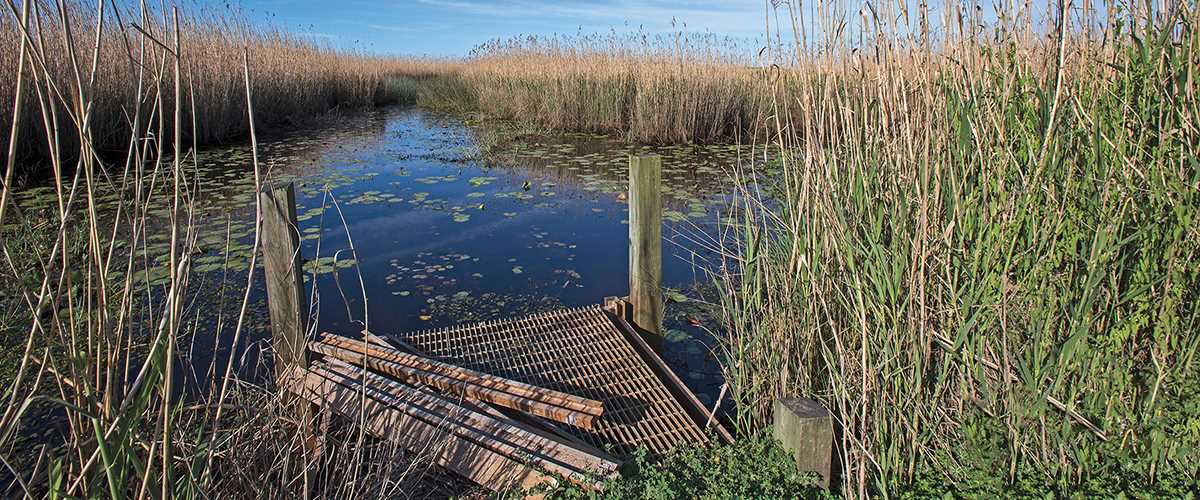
x,y
982,260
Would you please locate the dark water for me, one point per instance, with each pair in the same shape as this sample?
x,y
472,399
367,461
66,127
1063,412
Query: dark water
x,y
441,236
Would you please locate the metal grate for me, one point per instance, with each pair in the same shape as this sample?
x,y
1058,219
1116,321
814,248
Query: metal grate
x,y
579,351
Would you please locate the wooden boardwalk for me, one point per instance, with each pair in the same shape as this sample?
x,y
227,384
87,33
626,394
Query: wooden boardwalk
x,y
593,352
593,355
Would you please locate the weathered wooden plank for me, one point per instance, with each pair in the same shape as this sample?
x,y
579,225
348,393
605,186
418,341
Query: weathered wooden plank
x,y
522,421
543,429
456,387
473,461
484,380
281,267
645,242
464,420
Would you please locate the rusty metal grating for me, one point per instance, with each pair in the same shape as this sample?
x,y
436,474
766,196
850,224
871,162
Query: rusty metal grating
x,y
581,351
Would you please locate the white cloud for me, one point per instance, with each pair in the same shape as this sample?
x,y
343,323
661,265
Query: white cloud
x,y
397,29
740,17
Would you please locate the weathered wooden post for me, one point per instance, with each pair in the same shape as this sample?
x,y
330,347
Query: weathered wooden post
x,y
805,429
282,269
645,242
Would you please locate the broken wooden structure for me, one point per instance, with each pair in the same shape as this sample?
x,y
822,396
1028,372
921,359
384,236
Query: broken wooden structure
x,y
511,403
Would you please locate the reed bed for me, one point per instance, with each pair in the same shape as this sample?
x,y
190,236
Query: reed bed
x,y
677,89
93,402
978,248
301,78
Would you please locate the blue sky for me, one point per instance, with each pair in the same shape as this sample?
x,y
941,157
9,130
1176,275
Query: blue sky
x,y
453,27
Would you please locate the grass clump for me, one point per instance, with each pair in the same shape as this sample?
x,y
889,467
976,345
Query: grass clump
x,y
753,467
399,89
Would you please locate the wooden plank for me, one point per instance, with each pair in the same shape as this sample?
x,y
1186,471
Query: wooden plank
x,y
456,387
456,419
544,429
281,267
516,388
381,349
473,461
645,242
494,433
523,421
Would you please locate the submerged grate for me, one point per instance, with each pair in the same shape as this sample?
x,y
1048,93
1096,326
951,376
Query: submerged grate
x,y
579,351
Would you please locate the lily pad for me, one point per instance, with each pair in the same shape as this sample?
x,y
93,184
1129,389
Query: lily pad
x,y
675,296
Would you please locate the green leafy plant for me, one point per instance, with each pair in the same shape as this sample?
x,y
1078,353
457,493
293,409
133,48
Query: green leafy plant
x,y
753,467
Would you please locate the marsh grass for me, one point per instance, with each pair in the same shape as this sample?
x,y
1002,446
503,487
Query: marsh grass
x,y
652,89
301,78
977,249
980,254
96,354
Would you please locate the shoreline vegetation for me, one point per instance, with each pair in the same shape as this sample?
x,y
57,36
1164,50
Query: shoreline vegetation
x,y
657,90
976,246
300,78
980,248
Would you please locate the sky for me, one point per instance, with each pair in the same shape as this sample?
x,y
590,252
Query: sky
x,y
453,27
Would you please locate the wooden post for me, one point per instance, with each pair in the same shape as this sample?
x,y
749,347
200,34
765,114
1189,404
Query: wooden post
x,y
285,287
645,242
286,305
805,429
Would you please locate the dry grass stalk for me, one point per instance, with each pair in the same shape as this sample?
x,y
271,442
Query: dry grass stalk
x,y
976,248
103,351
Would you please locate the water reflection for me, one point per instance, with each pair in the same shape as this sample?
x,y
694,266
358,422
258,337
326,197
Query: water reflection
x,y
439,234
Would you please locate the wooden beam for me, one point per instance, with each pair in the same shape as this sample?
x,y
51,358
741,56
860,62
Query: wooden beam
x,y
281,267
477,463
499,435
544,429
457,373
456,387
645,242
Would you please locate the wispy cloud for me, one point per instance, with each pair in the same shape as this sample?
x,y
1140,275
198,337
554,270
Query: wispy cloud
x,y
740,16
455,26
392,28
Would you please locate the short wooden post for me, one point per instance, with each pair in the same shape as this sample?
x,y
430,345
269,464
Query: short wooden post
x,y
805,429
645,242
282,268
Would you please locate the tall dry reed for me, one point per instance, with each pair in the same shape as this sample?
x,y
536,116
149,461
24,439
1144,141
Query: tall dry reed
x,y
102,353
672,90
978,248
300,77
